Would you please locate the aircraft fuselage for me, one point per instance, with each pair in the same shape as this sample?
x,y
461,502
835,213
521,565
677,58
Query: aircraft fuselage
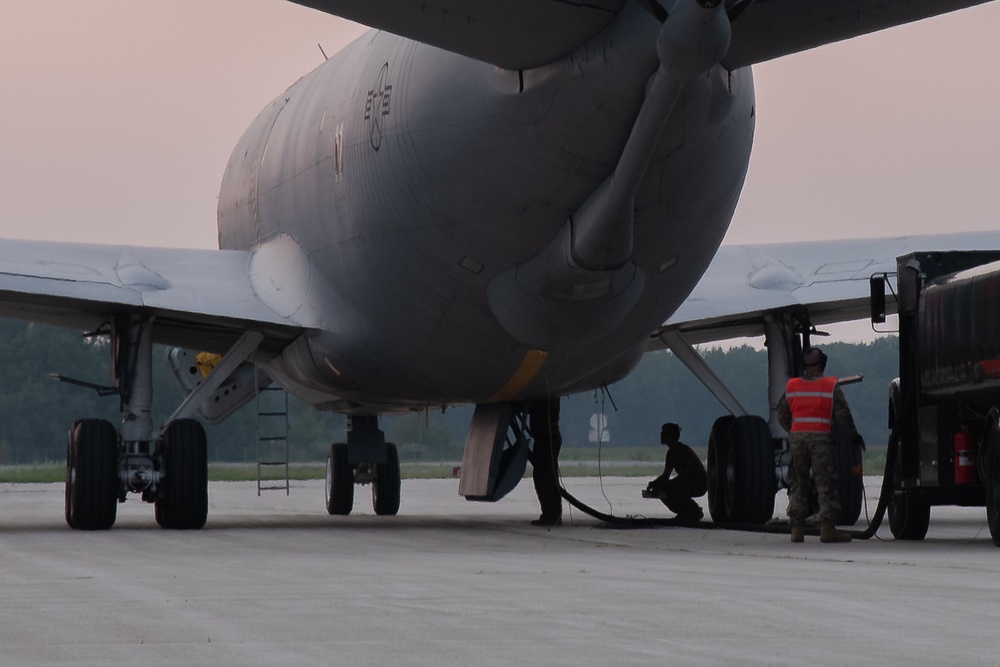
x,y
399,196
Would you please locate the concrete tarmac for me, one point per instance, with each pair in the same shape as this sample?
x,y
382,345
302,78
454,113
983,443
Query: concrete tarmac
x,y
274,580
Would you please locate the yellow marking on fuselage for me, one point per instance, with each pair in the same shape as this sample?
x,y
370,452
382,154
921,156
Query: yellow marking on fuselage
x,y
528,369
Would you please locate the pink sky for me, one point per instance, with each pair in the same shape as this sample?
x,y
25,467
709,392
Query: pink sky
x,y
119,117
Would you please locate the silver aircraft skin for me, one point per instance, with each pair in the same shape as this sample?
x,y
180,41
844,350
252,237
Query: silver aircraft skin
x,y
482,202
457,216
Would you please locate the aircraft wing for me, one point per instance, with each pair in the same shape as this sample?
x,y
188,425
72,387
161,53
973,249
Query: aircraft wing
x,y
521,34
513,34
827,279
200,298
766,29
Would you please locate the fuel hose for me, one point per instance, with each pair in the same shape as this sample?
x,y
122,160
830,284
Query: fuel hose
x,y
626,522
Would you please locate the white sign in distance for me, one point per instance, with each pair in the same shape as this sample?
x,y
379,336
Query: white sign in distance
x,y
599,429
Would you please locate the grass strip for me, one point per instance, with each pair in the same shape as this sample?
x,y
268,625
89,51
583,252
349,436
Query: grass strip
x,y
570,466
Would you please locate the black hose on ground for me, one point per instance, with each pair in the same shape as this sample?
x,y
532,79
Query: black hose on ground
x,y
655,522
884,493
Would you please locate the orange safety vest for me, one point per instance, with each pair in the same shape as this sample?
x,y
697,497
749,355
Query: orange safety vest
x,y
811,403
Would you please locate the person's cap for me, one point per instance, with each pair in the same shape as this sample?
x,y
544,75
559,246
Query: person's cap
x,y
814,357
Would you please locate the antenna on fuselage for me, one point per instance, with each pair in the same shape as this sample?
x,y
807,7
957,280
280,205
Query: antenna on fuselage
x,y
325,57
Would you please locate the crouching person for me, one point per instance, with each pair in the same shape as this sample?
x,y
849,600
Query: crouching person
x,y
690,481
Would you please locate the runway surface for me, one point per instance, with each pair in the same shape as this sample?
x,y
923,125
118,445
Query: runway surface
x,y
274,580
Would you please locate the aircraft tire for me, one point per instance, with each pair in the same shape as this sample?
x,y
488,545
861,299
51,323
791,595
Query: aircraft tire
x,y
749,471
385,486
850,487
718,443
339,480
183,453
92,475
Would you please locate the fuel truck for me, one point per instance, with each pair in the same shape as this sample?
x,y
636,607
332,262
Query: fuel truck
x,y
944,408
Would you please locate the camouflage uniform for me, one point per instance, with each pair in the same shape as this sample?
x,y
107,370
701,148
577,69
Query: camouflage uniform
x,y
817,451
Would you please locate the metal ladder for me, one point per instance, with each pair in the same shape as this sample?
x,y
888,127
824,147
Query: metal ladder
x,y
272,434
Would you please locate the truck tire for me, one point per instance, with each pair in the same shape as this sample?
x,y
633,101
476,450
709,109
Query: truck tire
x,y
991,478
909,515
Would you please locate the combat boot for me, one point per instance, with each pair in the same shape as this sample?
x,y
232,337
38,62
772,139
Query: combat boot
x,y
548,520
829,533
798,533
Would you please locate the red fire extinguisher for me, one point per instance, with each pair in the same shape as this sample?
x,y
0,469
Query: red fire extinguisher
x,y
965,457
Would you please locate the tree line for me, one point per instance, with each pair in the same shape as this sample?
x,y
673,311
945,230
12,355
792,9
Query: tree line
x,y
37,411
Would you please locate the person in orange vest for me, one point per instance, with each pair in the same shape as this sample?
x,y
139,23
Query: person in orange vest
x,y
806,411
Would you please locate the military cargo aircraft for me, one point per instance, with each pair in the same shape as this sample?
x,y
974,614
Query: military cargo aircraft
x,y
495,203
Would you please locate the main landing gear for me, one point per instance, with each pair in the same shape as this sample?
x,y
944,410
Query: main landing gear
x,y
741,479
101,470
366,458
747,455
168,468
